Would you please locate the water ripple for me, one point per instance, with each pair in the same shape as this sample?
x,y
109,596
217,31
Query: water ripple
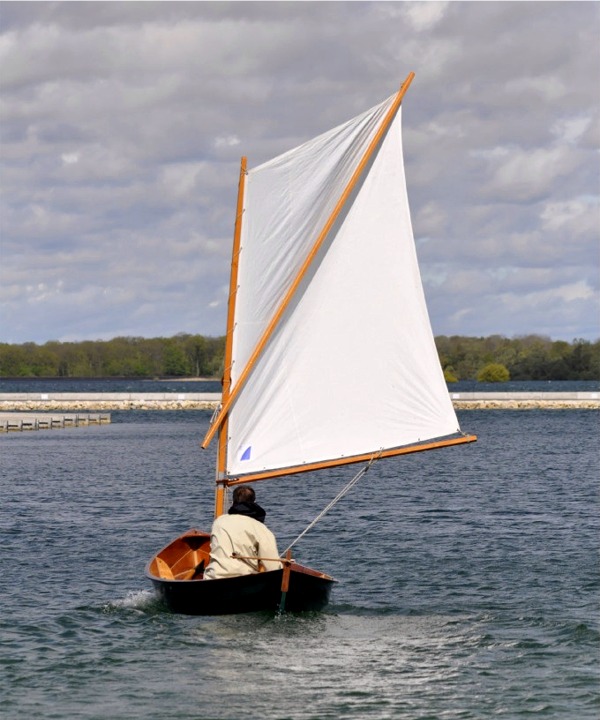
x,y
469,581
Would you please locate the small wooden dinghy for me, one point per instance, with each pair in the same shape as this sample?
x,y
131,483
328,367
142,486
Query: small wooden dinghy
x,y
176,573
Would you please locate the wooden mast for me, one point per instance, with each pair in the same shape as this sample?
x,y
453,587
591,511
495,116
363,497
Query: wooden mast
x,y
233,280
227,402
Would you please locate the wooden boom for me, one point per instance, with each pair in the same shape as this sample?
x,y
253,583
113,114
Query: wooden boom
x,y
392,452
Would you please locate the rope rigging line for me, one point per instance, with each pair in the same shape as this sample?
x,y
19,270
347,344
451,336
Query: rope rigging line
x,y
215,413
335,500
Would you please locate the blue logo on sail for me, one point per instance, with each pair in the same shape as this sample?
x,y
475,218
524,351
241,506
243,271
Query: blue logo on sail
x,y
246,455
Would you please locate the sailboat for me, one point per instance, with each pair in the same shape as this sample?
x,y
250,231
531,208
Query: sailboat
x,y
330,358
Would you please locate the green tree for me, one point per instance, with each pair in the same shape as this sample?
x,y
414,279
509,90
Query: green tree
x,y
493,372
449,375
14,361
530,357
43,362
175,361
196,352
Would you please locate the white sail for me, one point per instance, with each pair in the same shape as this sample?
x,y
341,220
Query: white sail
x,y
351,367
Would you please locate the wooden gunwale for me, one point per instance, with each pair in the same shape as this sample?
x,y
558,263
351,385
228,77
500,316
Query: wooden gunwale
x,y
177,582
193,546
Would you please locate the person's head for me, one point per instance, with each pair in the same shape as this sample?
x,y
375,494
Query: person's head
x,y
243,494
243,504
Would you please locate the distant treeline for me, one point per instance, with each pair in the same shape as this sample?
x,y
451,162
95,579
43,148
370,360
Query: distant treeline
x,y
531,357
494,358
179,356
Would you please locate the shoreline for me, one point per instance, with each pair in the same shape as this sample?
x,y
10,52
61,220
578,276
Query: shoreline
x,y
69,402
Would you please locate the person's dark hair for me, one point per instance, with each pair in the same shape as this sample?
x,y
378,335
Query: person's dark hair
x,y
243,494
243,504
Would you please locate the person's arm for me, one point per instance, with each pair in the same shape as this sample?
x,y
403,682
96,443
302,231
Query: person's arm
x,y
268,549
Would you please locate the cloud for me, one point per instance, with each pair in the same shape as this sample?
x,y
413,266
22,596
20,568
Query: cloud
x,y
123,124
424,16
517,175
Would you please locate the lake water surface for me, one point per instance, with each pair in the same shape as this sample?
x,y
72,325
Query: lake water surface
x,y
174,385
468,579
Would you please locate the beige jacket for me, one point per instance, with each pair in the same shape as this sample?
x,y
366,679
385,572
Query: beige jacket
x,y
245,536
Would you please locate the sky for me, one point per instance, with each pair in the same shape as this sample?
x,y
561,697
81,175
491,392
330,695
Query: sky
x,y
122,126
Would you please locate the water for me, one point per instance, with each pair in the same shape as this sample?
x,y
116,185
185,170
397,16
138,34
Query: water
x,y
109,385
469,580
133,385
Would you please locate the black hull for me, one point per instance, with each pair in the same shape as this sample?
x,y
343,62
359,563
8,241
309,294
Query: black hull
x,y
248,593
308,589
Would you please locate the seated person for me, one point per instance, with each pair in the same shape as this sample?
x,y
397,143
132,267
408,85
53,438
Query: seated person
x,y
241,531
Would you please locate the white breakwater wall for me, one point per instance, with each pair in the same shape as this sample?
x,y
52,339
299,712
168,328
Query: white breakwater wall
x,y
108,401
76,402
526,400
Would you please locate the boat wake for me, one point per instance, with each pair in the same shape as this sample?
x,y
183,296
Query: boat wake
x,y
143,600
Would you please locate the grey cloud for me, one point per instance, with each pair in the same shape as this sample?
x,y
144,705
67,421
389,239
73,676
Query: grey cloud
x,y
123,124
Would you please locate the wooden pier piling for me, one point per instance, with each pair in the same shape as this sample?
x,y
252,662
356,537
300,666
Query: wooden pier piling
x,y
20,422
